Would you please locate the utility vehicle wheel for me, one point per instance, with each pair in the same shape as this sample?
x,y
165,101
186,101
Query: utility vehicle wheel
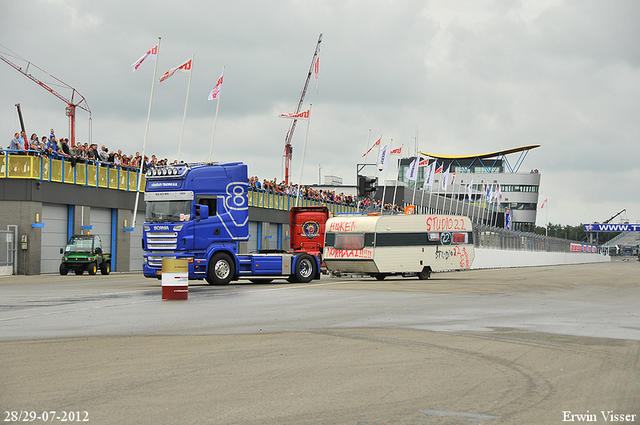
x,y
305,269
221,269
92,268
79,272
424,274
63,269
105,268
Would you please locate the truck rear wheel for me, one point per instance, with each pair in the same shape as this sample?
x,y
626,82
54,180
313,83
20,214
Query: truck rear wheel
x,y
105,268
305,269
221,269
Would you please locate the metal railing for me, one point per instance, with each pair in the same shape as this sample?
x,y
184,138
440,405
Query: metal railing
x,y
282,201
489,237
95,174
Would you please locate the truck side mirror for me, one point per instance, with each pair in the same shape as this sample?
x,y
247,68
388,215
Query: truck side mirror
x,y
204,211
61,251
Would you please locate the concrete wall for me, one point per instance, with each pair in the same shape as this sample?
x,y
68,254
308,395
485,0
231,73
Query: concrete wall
x,y
493,258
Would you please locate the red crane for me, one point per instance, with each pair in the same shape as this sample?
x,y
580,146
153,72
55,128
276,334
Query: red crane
x,y
288,150
76,100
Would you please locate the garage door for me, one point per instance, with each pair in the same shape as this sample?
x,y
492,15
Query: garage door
x,y
135,248
252,245
54,236
101,222
270,240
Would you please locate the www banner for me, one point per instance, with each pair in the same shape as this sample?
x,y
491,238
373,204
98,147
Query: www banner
x,y
612,227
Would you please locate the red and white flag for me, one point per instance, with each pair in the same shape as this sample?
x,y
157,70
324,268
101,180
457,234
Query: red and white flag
x,y
398,151
304,115
151,54
185,67
372,146
316,69
543,203
216,89
423,163
439,170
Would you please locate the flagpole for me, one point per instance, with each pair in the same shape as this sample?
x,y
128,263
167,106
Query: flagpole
x,y
367,147
146,132
458,194
438,194
395,189
304,149
215,120
386,174
415,182
433,178
184,116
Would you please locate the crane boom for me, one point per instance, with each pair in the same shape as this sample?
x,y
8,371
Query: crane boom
x,y
287,141
72,103
607,221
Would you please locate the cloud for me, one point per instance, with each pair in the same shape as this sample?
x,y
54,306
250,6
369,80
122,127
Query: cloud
x,y
452,77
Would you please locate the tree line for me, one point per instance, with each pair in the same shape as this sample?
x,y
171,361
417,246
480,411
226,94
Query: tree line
x,y
575,233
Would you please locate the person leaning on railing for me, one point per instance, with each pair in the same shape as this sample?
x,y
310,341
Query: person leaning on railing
x,y
16,145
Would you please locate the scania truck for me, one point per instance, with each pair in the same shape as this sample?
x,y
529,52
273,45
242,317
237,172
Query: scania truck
x,y
200,213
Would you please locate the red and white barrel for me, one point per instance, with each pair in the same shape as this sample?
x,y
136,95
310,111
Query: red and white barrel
x,y
175,279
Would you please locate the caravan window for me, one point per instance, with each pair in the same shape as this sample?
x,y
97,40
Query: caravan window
x,y
349,241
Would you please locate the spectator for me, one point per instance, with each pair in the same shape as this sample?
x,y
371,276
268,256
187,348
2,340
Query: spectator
x,y
103,155
16,144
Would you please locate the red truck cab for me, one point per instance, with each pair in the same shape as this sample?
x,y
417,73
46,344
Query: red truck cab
x,y
306,227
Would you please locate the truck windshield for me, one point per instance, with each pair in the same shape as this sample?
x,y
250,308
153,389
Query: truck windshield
x,y
168,211
80,245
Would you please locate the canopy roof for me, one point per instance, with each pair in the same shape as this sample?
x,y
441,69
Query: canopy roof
x,y
489,167
482,155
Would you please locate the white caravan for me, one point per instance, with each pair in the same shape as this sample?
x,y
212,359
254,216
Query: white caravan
x,y
407,245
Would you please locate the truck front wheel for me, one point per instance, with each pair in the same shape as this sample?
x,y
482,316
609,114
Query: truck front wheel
x,y
221,269
92,268
63,269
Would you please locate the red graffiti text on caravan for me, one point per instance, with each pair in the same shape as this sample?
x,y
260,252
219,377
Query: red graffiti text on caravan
x,y
348,253
439,224
343,226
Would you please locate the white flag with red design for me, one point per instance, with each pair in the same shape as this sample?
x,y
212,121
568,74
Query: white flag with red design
x,y
543,203
216,89
316,69
372,146
185,67
304,115
151,54
398,151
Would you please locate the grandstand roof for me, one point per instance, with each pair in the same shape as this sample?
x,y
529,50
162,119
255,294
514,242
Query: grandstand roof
x,y
482,155
500,156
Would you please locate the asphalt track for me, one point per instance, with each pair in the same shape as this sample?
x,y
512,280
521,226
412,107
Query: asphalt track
x,y
506,346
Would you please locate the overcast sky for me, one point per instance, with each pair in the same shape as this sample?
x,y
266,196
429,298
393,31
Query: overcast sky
x,y
453,77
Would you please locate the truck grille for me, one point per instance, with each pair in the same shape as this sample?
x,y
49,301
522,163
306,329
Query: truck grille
x,y
162,241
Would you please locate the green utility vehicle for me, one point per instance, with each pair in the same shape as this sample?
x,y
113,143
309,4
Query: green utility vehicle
x,y
84,252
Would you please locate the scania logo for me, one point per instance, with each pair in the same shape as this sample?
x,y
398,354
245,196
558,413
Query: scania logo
x,y
160,227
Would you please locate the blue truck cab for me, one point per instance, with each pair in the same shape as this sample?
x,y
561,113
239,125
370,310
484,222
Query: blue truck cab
x,y
200,212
